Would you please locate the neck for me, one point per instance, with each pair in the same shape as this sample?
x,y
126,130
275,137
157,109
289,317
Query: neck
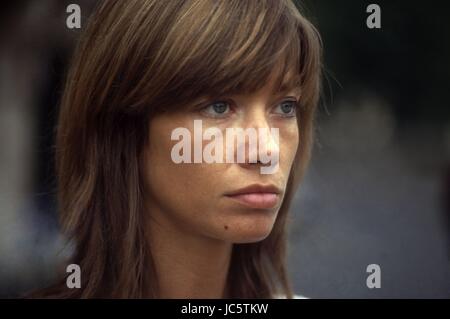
x,y
188,265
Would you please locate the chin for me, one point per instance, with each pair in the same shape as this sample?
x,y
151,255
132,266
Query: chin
x,y
249,231
250,239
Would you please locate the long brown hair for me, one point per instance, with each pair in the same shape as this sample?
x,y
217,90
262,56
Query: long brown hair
x,y
138,58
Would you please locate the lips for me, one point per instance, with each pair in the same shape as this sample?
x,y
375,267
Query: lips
x,y
256,196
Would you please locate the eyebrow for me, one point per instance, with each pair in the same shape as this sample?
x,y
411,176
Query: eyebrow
x,y
296,91
284,90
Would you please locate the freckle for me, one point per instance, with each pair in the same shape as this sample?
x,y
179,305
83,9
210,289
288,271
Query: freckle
x,y
226,227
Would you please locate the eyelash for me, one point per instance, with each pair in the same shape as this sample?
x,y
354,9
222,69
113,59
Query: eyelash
x,y
229,103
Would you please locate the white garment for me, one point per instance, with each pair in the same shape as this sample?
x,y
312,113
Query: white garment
x,y
279,296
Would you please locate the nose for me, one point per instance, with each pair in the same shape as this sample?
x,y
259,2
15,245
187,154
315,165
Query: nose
x,y
260,147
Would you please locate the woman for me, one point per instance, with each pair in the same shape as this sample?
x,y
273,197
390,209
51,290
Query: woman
x,y
145,225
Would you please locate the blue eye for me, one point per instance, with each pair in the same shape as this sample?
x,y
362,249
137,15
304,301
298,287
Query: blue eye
x,y
217,109
286,108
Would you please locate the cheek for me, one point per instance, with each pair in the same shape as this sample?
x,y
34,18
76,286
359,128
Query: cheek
x,y
163,176
185,191
289,143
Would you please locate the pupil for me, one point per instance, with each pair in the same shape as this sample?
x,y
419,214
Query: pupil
x,y
286,107
220,107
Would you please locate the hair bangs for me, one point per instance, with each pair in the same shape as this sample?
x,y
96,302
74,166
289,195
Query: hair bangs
x,y
237,51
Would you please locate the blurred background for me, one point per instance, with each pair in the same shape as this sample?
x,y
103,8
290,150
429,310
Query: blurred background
x,y
378,187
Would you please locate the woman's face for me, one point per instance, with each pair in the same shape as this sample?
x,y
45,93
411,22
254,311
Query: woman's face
x,y
210,199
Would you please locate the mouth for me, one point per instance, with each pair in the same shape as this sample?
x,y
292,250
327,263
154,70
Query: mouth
x,y
257,196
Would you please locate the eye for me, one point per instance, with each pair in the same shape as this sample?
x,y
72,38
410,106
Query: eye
x,y
287,108
217,109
